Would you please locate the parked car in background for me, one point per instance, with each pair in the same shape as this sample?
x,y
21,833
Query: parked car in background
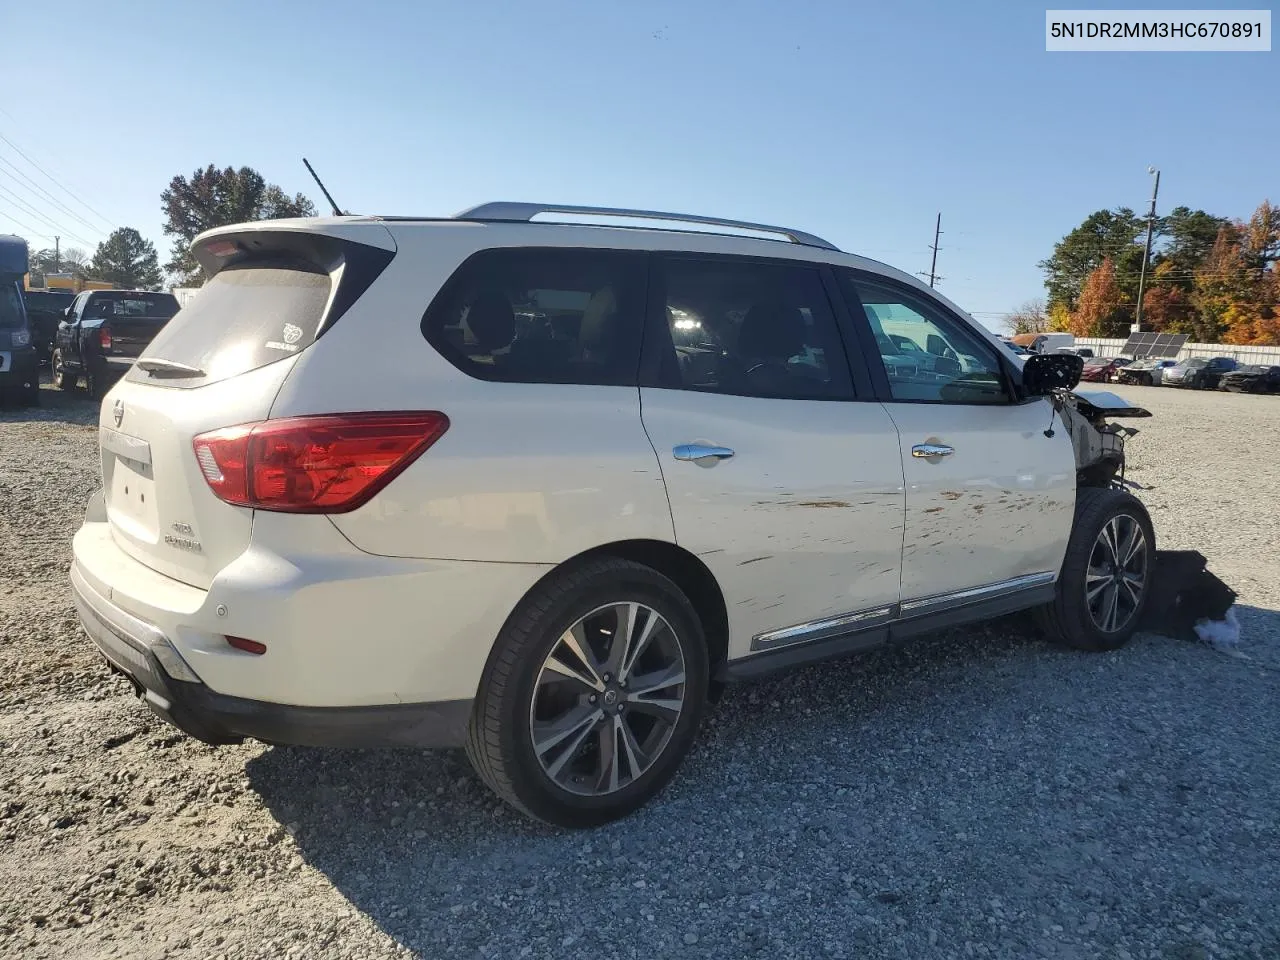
x,y
1118,364
350,499
1198,372
19,365
1085,352
1254,378
45,310
1146,372
102,334
1099,369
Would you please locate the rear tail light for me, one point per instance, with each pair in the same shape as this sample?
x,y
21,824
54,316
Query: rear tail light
x,y
104,338
319,464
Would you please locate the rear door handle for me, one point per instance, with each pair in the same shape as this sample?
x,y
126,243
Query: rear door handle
x,y
925,451
700,451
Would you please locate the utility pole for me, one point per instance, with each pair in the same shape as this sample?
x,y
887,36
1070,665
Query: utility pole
x,y
1146,255
933,266
57,253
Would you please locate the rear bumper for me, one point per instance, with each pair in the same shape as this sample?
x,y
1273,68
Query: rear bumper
x,y
147,657
23,368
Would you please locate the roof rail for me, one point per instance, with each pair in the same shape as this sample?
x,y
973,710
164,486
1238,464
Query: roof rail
x,y
527,211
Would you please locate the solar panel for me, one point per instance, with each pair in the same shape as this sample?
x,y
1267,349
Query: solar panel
x,y
1160,345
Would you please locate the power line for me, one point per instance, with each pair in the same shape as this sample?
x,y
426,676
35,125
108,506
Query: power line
x,y
32,211
27,227
52,179
45,193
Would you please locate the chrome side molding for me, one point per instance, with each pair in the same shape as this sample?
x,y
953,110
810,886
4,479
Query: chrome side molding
x,y
961,598
847,623
818,629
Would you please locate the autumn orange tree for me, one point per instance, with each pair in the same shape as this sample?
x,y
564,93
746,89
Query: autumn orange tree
x,y
1214,279
1101,310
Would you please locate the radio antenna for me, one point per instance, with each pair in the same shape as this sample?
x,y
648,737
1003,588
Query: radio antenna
x,y
311,170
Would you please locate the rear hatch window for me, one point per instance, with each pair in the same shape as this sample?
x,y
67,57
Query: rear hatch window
x,y
247,316
11,314
131,305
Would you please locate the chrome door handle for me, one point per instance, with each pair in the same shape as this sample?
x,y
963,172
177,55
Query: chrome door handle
x,y
700,451
927,450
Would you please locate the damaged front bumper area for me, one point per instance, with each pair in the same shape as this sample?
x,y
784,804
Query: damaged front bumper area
x,y
1099,444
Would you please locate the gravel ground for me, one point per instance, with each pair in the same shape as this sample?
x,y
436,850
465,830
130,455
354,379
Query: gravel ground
x,y
978,794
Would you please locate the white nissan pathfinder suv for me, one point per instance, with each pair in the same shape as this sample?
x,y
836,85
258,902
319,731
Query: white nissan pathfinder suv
x,y
537,489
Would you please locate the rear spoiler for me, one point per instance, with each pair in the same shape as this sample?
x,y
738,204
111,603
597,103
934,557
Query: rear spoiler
x,y
359,263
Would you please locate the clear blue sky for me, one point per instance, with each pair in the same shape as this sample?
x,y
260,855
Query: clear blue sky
x,y
856,121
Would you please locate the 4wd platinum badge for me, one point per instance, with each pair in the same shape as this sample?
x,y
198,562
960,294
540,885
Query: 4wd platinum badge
x,y
187,542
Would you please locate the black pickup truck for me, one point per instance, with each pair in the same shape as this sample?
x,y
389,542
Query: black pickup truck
x,y
45,309
102,334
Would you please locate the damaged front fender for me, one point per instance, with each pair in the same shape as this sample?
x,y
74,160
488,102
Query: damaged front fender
x,y
1098,444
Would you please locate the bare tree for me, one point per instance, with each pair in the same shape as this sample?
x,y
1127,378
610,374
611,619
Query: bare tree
x,y
1028,318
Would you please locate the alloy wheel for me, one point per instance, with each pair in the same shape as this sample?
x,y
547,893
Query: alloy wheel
x,y
1117,574
607,699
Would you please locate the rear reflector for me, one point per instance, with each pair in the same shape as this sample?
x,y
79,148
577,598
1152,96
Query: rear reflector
x,y
321,464
248,646
104,338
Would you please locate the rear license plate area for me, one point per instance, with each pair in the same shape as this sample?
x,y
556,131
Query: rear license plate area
x,y
131,500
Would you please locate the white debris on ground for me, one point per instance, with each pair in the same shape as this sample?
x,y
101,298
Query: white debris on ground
x,y
1221,634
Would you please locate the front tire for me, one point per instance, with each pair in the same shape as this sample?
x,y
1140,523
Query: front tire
x,y
1104,585
592,694
62,379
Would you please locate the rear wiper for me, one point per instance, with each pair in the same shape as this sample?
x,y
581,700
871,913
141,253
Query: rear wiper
x,y
157,367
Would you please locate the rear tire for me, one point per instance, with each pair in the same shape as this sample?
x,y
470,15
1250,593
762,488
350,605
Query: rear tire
x,y
1102,590
555,742
94,383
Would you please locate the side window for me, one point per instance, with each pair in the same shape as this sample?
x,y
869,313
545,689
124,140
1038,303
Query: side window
x,y
542,315
929,355
77,307
751,329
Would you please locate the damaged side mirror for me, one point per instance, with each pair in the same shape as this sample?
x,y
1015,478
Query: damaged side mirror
x,y
1044,373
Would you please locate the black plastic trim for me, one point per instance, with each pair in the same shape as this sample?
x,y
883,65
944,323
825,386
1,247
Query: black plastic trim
x,y
440,725
794,655
932,621
880,634
217,718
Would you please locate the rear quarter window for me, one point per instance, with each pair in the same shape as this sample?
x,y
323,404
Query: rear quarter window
x,y
542,315
246,317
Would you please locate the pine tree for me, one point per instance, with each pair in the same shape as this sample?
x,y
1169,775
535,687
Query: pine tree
x,y
127,261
